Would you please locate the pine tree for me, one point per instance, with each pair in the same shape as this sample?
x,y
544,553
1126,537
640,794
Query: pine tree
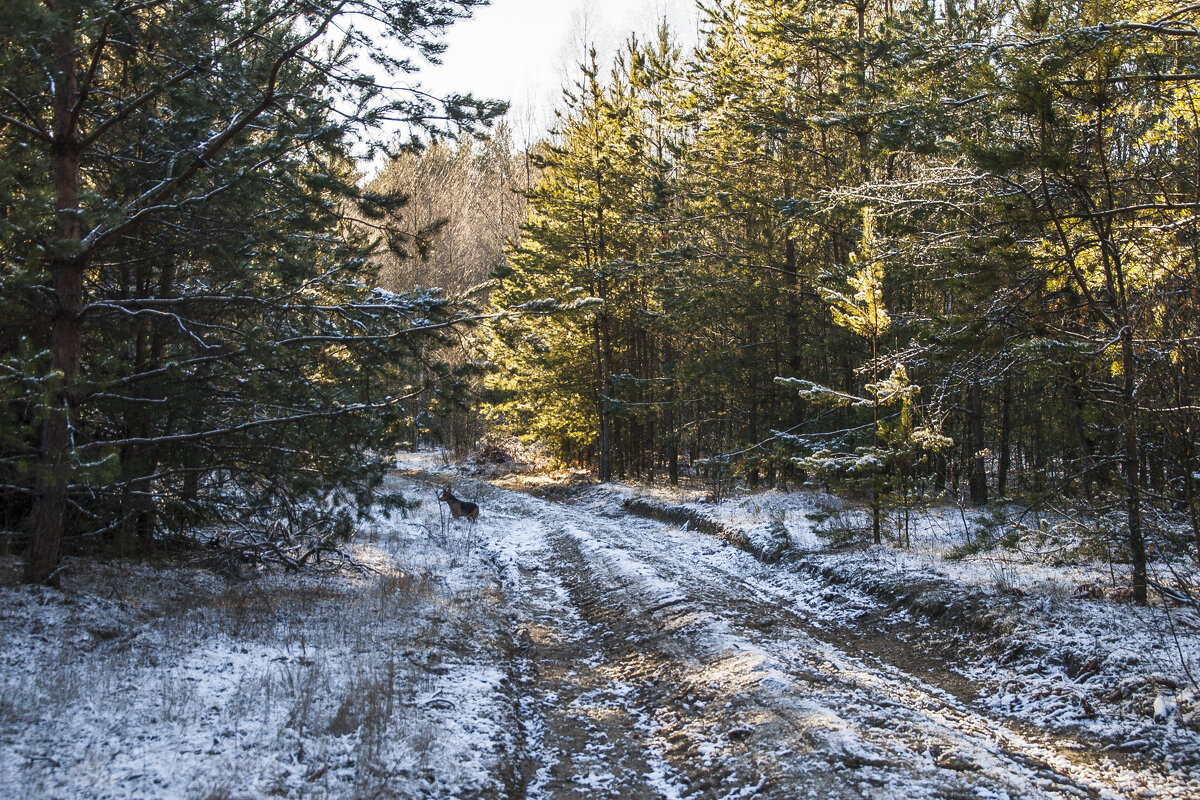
x,y
1071,126
587,379
198,329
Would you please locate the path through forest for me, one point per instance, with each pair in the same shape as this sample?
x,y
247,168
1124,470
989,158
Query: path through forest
x,y
657,662
555,650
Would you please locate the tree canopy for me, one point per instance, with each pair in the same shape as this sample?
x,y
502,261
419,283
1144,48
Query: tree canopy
x,y
191,330
974,222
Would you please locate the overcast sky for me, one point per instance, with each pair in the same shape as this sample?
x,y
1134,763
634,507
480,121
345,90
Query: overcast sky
x,y
522,50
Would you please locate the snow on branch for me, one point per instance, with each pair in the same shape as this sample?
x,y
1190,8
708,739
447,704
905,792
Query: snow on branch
x,y
820,393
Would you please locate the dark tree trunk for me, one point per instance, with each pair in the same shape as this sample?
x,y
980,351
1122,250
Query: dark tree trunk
x,y
751,356
1005,439
978,463
1189,487
791,298
1133,491
1083,466
605,463
670,422
47,516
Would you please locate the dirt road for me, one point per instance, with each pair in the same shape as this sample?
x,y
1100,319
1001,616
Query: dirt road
x,y
657,662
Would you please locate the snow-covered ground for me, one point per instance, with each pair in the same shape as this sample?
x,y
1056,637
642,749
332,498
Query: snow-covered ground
x,y
146,682
1035,628
572,649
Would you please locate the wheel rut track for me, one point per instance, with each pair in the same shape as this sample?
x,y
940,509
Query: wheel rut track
x,y
638,652
764,618
764,622
644,643
1034,748
632,699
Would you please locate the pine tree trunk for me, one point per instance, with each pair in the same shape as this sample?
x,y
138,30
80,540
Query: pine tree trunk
x,y
603,341
47,516
604,369
791,297
1005,439
1133,495
877,477
605,462
752,370
978,464
1037,446
1189,487
1083,467
671,422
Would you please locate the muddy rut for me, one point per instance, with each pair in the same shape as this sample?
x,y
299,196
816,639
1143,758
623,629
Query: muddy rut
x,y
653,662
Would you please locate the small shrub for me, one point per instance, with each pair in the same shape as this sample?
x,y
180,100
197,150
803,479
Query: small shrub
x,y
977,545
839,527
219,792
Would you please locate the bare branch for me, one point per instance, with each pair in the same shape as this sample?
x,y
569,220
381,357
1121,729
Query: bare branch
x,y
247,426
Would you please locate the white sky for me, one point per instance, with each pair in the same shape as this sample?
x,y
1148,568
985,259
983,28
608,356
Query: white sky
x,y
523,51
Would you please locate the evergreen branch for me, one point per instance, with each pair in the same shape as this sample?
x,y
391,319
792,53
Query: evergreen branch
x,y
1142,27
122,114
149,199
816,390
36,132
35,127
85,85
1179,13
247,426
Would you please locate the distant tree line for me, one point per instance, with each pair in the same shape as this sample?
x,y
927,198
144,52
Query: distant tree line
x,y
463,205
922,246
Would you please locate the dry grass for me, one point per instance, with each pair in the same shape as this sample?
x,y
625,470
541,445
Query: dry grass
x,y
280,684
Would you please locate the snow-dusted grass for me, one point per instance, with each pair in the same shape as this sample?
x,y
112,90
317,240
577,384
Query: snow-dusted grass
x,y
160,682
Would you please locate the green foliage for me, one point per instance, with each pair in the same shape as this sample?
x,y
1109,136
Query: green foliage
x,y
992,201
223,358
862,313
594,246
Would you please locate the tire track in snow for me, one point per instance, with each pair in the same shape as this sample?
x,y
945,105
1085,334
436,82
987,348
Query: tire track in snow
x,y
1054,763
660,663
776,692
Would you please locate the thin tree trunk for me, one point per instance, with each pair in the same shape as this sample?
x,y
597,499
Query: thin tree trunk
x,y
1133,492
1114,272
877,478
752,372
605,466
1189,488
47,516
672,420
791,298
978,464
1005,439
604,342
1083,443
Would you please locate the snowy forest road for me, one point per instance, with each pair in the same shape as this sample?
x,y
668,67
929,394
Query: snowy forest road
x,y
657,662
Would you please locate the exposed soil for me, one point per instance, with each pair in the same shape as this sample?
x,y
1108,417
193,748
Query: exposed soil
x,y
657,662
